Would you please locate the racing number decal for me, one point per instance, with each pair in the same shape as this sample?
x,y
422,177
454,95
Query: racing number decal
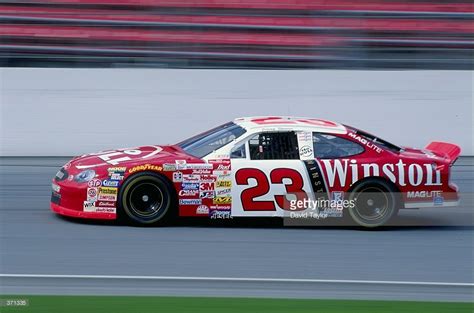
x,y
262,188
296,186
248,196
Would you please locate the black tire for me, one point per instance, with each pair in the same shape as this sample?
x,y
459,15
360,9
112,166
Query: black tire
x,y
376,203
147,199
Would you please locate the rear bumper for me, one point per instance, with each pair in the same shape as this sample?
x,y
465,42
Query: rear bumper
x,y
81,214
417,205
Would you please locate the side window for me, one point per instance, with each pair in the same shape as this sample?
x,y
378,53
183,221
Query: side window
x,y
274,146
238,152
332,147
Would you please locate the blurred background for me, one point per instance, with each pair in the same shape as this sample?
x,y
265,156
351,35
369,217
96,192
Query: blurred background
x,y
394,34
78,76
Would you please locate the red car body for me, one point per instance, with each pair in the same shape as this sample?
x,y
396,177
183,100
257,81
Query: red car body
x,y
219,184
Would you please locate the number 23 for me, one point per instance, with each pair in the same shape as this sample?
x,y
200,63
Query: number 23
x,y
262,188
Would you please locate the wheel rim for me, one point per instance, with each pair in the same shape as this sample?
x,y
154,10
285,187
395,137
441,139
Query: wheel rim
x,y
146,199
372,204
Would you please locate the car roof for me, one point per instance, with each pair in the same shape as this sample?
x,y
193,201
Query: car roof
x,y
276,123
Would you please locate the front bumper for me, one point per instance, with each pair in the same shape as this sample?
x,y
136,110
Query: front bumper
x,y
81,214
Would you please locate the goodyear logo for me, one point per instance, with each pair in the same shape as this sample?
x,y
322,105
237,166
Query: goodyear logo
x,y
223,200
223,184
145,167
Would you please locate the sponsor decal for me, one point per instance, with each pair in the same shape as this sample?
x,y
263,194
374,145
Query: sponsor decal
x,y
189,178
222,175
317,181
306,151
365,142
222,200
190,186
188,193
208,178
105,210
424,194
180,164
107,194
206,186
94,183
106,204
145,167
222,167
92,194
202,209
108,190
202,172
223,184
206,194
89,206
337,196
169,167
70,177
110,183
199,166
226,192
190,201
221,207
331,212
56,188
305,136
305,142
177,177
104,197
438,200
116,170
400,173
116,176
220,215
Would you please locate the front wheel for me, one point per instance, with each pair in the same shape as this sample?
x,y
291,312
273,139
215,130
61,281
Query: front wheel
x,y
375,203
147,198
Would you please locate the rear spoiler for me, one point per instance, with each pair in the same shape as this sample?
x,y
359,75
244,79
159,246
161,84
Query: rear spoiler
x,y
448,150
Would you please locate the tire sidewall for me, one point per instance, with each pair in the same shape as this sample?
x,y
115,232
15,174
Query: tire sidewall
x,y
390,193
165,188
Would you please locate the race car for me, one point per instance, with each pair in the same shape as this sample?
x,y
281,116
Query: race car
x,y
285,167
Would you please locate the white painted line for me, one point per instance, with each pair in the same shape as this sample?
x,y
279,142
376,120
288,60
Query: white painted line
x,y
237,279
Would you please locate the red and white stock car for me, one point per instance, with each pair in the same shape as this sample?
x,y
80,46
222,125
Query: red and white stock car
x,y
259,167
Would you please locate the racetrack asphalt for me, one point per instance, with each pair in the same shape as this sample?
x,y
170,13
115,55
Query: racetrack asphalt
x,y
427,245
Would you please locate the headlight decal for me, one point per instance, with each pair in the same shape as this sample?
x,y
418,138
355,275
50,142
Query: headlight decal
x,y
84,176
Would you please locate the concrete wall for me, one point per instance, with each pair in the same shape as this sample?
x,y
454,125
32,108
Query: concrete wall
x,y
73,111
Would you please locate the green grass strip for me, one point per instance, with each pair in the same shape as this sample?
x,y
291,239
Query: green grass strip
x,y
119,304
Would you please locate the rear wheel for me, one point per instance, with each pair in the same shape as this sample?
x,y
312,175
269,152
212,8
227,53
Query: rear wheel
x,y
375,203
147,198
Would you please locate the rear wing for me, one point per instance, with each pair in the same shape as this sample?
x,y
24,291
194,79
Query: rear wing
x,y
448,150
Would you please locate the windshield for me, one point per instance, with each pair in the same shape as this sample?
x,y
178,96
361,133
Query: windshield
x,y
212,140
380,142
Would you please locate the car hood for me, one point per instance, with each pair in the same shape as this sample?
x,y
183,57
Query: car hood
x,y
129,157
